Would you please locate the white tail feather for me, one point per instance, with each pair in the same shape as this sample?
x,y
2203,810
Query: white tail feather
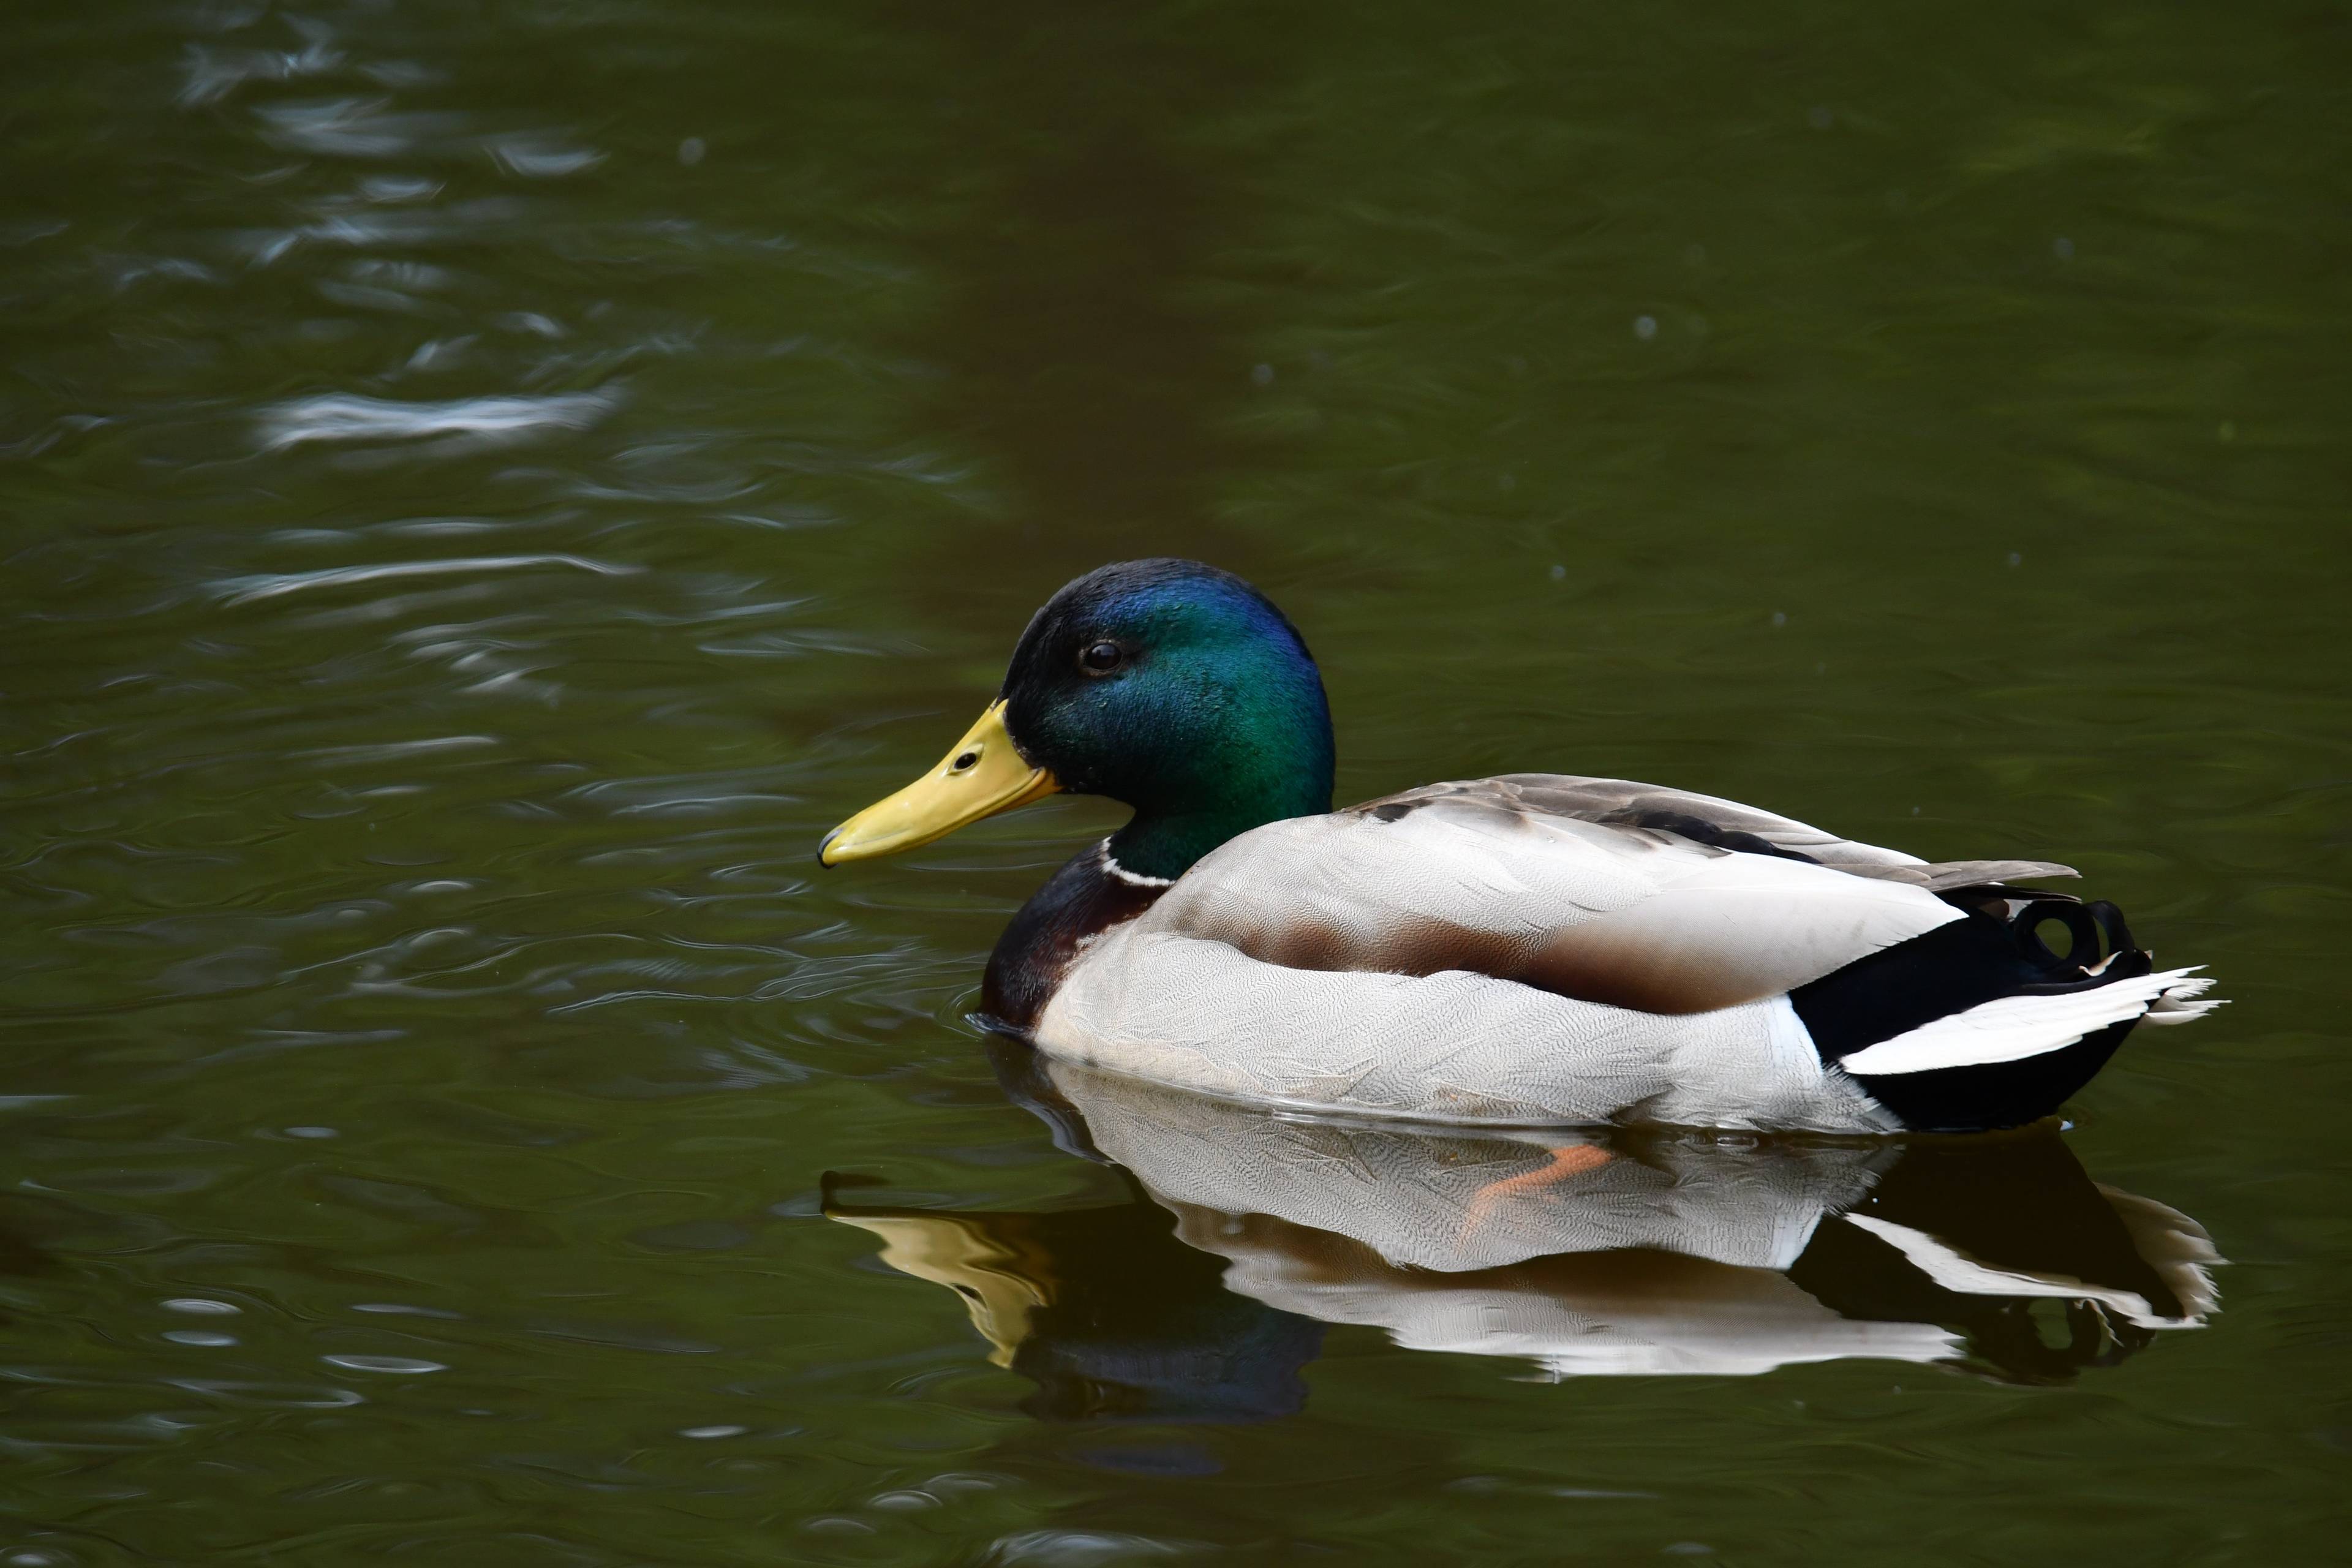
x,y
2014,1027
2178,1003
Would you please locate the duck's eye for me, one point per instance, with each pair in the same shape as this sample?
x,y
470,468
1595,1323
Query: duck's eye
x,y
1100,658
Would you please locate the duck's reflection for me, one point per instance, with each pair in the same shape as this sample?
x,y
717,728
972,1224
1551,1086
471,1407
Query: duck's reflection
x,y
1584,1253
1105,1310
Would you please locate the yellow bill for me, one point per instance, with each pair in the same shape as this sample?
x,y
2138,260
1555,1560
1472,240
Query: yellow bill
x,y
980,776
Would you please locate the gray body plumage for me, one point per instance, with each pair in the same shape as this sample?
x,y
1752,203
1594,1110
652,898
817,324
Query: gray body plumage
x,y
1529,950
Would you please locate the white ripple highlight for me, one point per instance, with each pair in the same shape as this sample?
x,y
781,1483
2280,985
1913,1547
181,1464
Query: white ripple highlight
x,y
389,1364
272,584
346,417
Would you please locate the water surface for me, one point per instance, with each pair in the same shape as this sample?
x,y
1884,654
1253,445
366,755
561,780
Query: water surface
x,y
484,491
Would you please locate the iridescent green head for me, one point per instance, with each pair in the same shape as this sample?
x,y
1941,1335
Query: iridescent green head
x,y
1167,684
1181,690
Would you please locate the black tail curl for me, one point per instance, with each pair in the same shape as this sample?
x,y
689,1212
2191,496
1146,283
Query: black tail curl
x,y
1996,951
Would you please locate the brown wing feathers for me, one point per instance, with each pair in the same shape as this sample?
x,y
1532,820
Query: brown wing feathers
x,y
1712,821
1622,900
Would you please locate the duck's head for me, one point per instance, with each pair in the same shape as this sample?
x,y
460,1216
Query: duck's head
x,y
1169,685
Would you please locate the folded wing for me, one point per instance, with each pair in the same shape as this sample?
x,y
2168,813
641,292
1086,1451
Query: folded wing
x,y
1598,890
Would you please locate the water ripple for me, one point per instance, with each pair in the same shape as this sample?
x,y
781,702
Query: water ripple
x,y
271,584
352,127
213,74
347,416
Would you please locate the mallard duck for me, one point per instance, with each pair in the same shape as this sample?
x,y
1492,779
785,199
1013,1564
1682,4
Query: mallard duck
x,y
1531,949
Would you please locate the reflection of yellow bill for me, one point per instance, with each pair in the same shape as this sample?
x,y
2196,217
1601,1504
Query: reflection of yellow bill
x,y
979,777
1001,1283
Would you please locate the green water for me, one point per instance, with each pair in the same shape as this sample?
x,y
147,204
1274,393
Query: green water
x,y
427,1031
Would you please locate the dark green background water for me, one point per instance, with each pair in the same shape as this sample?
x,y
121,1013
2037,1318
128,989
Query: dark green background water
x,y
1930,422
